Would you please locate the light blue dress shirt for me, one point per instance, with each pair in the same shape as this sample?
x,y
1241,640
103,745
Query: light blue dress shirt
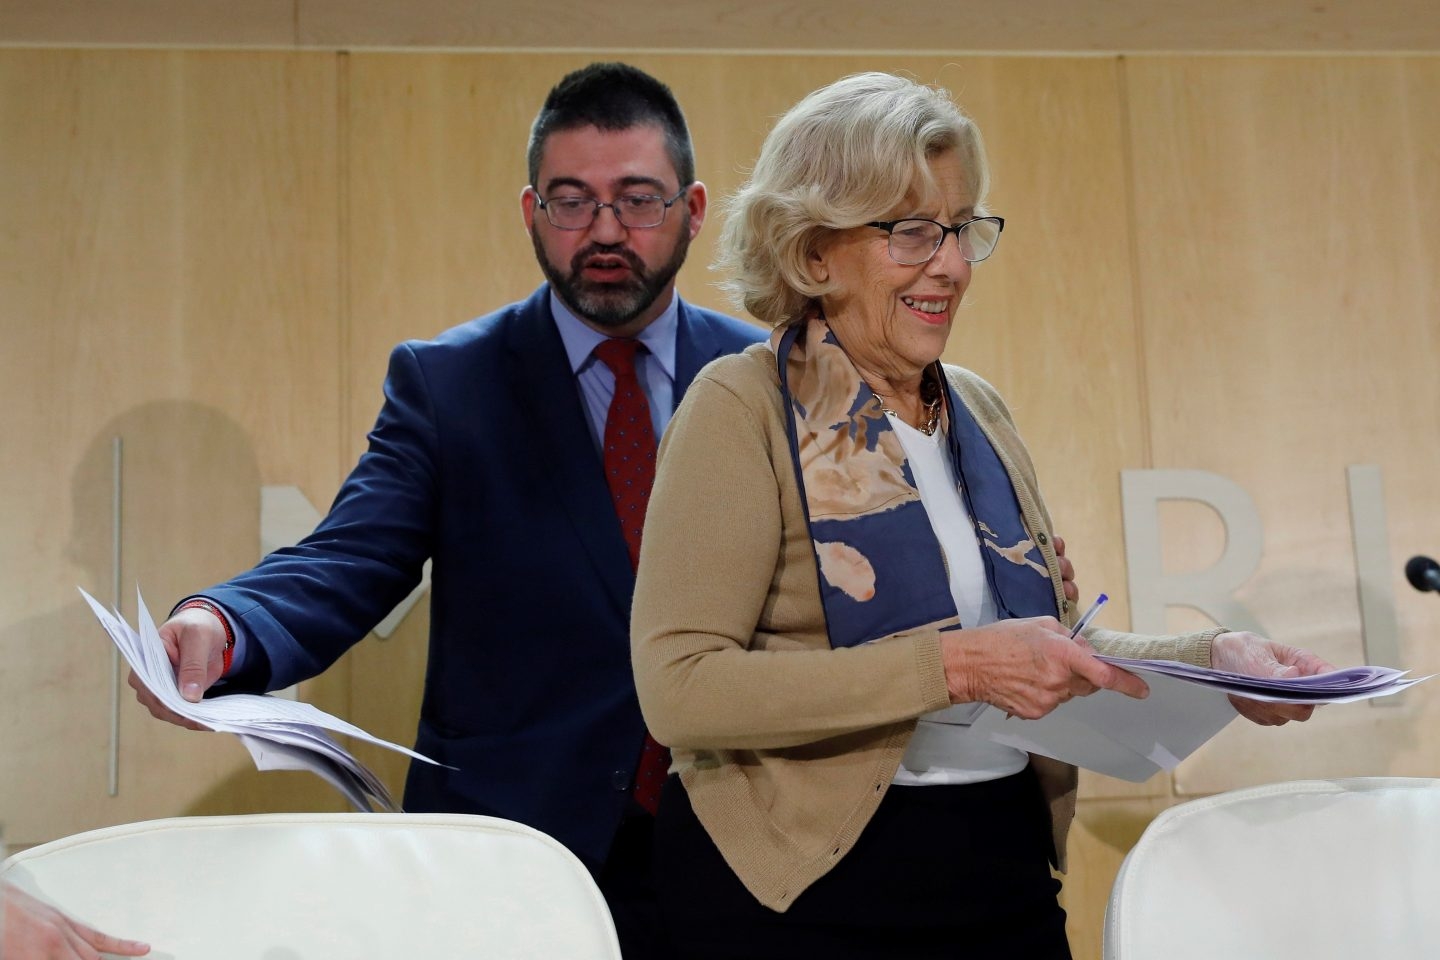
x,y
656,369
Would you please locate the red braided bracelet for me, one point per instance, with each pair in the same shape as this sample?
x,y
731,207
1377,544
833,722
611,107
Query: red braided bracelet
x,y
201,603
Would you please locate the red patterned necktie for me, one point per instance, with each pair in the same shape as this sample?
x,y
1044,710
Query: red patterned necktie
x,y
629,459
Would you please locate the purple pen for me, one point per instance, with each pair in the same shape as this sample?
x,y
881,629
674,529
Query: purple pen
x,y
1084,621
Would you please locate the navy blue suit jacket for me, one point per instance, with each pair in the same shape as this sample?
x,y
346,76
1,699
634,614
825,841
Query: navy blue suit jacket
x,y
481,459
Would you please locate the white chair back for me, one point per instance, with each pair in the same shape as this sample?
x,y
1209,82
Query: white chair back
x,y
1311,869
326,886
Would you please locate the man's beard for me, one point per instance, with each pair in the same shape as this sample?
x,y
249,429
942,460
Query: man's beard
x,y
611,305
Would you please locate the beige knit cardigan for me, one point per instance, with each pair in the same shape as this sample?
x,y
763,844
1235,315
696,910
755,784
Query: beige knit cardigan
x,y
784,745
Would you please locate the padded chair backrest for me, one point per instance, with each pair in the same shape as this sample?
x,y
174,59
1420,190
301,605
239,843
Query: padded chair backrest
x,y
326,886
1313,869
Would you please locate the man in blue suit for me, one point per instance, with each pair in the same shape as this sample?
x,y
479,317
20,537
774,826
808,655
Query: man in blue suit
x,y
487,457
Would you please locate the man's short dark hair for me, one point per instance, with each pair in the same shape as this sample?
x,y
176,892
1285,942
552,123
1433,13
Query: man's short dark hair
x,y
613,97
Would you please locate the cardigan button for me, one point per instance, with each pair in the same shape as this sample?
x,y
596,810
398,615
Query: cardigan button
x,y
620,780
1043,539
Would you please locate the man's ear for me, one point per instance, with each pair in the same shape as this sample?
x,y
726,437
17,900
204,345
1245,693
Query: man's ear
x,y
528,200
697,201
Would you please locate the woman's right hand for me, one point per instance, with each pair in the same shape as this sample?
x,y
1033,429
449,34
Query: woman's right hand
x,y
1028,667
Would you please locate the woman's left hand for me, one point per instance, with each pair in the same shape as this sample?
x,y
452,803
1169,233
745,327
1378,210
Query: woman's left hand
x,y
1256,656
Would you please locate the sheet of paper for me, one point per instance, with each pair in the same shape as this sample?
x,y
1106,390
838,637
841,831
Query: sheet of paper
x,y
269,755
1117,735
1134,739
280,734
1337,686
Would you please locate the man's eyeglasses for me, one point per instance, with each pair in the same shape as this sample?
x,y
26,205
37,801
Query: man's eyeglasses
x,y
915,241
634,210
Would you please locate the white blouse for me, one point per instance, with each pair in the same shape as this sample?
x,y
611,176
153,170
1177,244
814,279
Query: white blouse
x,y
943,750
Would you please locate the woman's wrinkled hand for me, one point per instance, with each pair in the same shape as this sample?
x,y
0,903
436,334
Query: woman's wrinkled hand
x,y
1027,667
1257,656
33,930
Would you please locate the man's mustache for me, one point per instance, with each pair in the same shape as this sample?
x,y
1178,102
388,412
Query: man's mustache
x,y
594,251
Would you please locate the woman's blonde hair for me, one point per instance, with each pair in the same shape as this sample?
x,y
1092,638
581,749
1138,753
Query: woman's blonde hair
x,y
847,154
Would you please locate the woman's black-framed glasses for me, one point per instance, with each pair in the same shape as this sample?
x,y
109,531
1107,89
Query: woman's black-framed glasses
x,y
635,211
915,240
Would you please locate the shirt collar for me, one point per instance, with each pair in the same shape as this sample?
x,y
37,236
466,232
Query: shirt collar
x,y
581,340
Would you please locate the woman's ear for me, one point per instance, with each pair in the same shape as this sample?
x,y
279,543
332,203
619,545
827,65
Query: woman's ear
x,y
817,262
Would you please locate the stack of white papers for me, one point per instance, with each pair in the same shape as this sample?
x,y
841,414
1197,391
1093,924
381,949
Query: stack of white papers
x,y
1118,736
280,734
1337,686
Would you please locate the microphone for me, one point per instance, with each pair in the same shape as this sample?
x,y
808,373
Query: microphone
x,y
1423,573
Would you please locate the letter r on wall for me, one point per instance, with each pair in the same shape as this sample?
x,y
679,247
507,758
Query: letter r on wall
x,y
1212,590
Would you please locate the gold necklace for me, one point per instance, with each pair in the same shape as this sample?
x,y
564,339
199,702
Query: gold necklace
x,y
929,405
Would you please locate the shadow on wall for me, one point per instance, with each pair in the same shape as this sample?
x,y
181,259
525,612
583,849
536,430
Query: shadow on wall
x,y
189,484
190,513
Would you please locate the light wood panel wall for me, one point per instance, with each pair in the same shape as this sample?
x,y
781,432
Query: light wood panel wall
x,y
1217,263
1290,328
818,26
1285,236
167,275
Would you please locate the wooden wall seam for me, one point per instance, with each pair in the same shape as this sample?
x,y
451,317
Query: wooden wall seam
x,y
1137,303
344,316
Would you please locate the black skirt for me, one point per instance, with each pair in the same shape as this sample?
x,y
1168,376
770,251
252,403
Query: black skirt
x,y
940,871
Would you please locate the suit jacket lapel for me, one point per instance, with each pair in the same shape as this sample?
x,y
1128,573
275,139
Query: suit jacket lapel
x,y
696,344
545,387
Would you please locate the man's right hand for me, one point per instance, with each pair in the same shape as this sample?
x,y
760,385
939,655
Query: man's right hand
x,y
195,642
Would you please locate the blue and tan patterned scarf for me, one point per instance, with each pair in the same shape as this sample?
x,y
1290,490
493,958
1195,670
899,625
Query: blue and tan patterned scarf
x,y
881,567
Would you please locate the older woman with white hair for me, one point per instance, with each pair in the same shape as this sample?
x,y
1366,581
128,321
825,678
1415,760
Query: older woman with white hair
x,y
846,558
